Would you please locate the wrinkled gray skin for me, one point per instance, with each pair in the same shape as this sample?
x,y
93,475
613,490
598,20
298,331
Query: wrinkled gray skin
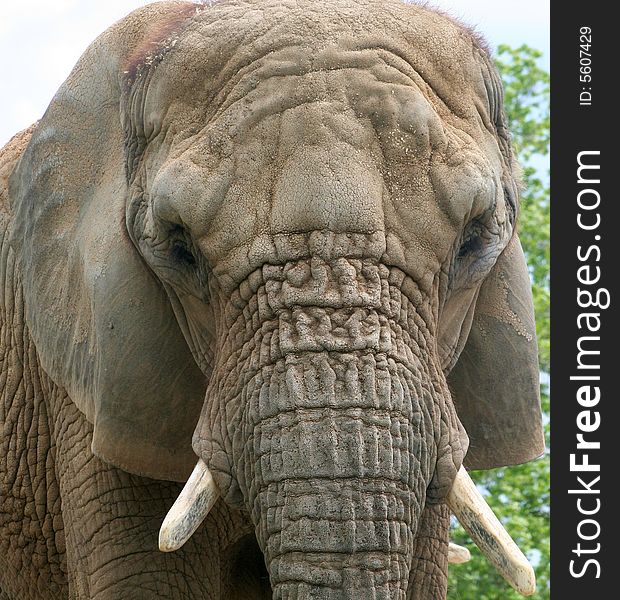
x,y
266,224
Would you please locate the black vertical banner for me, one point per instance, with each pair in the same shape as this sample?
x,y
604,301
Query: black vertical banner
x,y
585,340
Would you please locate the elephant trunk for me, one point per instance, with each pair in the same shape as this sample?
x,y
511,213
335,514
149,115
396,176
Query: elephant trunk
x,y
340,464
324,418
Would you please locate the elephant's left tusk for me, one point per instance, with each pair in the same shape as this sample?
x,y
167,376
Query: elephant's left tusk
x,y
189,510
477,518
457,554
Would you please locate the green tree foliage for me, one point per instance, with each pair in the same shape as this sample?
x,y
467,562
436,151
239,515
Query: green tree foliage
x,y
520,495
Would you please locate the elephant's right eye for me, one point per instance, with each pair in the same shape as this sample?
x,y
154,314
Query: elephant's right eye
x,y
181,253
180,247
179,263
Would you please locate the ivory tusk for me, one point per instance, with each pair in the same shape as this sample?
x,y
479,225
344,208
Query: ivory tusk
x,y
477,518
457,554
189,510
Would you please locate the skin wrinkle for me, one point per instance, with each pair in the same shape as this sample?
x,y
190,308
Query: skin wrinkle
x,y
256,65
229,330
226,98
116,566
28,491
36,452
432,93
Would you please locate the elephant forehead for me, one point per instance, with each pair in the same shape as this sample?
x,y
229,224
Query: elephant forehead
x,y
231,47
348,105
335,145
374,84
289,158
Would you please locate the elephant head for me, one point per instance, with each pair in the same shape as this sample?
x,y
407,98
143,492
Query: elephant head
x,y
279,238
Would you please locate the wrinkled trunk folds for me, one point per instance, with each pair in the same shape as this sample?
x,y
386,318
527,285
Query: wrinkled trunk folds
x,y
324,420
339,475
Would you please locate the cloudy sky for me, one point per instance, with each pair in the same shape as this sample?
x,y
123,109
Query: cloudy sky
x,y
40,41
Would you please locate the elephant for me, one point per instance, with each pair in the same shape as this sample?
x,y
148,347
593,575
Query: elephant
x,y
263,305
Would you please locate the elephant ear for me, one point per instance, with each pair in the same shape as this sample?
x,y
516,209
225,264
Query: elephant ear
x,y
495,382
100,321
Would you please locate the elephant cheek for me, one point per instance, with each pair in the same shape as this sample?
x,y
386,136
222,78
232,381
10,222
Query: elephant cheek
x,y
212,443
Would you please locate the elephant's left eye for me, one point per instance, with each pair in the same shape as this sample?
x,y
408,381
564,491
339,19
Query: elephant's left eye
x,y
472,241
470,246
475,254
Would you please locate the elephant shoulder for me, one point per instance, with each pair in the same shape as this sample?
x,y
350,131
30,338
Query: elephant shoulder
x,y
9,156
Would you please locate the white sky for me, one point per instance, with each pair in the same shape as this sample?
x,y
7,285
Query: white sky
x,y
40,41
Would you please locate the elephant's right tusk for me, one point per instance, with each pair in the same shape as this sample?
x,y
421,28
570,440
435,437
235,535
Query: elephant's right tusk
x,y
457,554
189,510
477,518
